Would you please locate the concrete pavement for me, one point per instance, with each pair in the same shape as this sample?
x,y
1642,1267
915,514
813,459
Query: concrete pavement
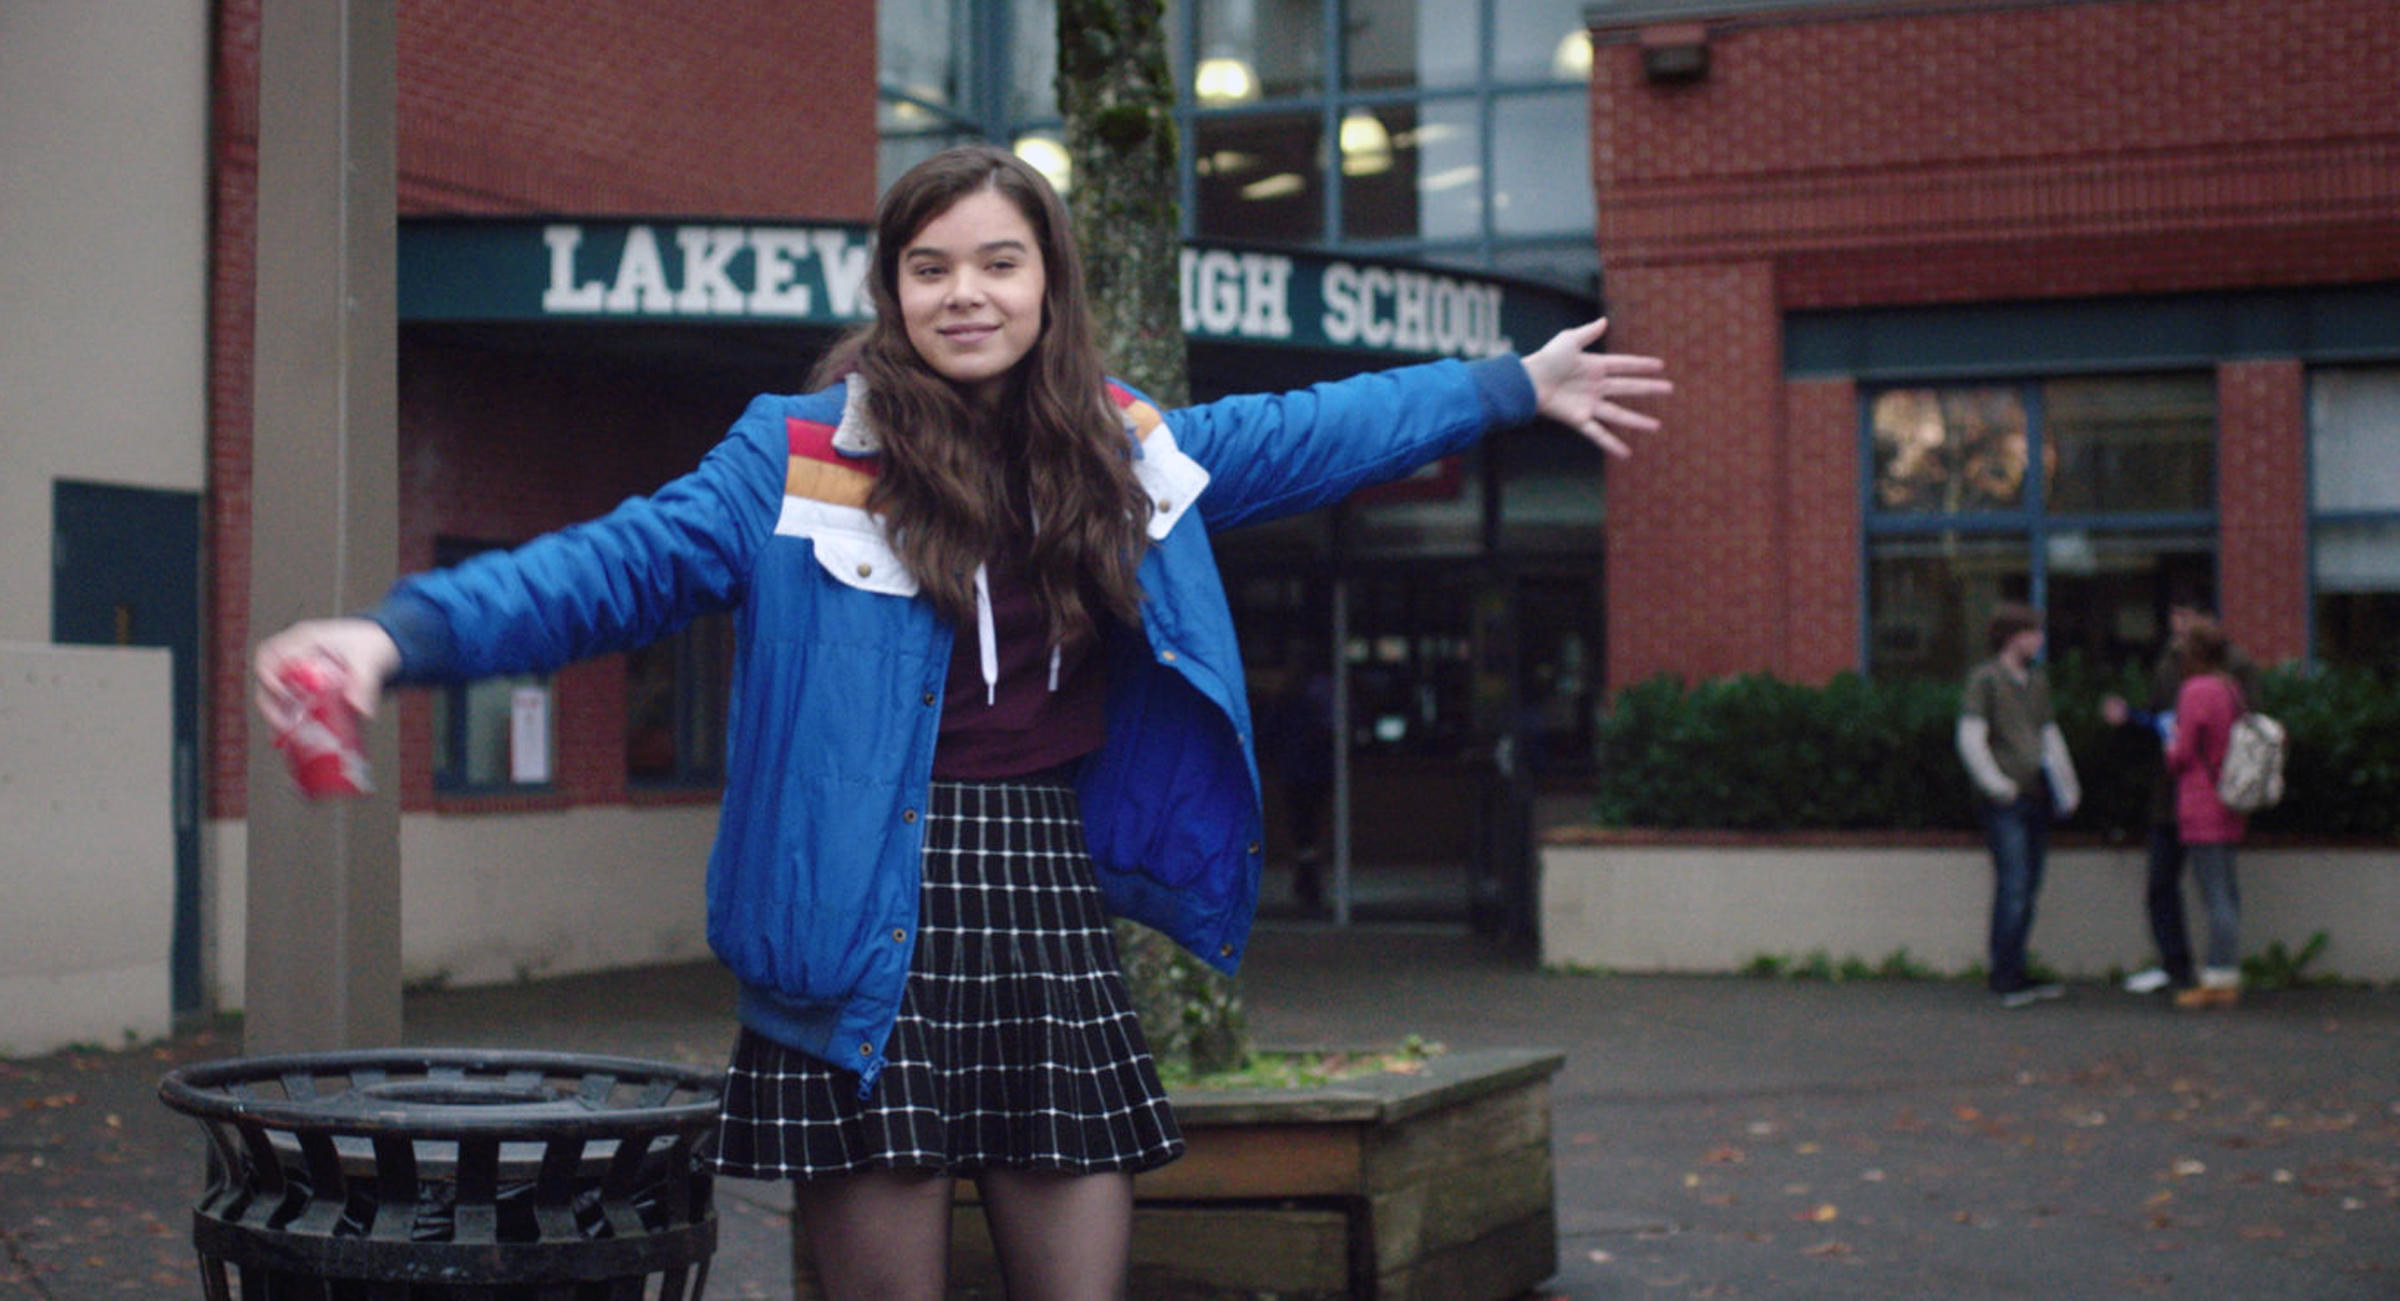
x,y
1715,1136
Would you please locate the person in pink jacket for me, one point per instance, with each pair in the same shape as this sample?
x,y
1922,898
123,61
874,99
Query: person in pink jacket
x,y
2205,710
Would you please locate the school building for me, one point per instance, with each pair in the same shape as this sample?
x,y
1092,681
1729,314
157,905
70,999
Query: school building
x,y
2092,302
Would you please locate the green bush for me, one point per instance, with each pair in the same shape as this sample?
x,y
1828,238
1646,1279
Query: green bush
x,y
1755,753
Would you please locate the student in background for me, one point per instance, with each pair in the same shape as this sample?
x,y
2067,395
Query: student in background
x,y
2017,757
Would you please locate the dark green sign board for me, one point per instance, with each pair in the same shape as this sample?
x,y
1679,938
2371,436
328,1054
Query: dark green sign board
x,y
715,272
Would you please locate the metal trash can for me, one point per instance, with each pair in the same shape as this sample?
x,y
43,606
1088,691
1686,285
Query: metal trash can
x,y
431,1174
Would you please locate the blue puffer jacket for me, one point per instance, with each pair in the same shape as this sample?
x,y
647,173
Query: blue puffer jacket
x,y
840,667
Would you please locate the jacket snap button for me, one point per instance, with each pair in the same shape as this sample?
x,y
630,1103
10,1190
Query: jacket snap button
x,y
908,815
1166,657
1165,507
898,935
928,697
1225,950
866,1050
865,570
1254,846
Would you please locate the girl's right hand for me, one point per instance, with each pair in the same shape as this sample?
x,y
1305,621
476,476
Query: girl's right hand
x,y
358,649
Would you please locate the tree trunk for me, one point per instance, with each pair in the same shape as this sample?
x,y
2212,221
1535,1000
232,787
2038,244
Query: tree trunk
x,y
1118,96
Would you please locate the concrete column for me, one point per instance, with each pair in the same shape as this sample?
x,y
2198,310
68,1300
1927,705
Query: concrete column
x,y
324,880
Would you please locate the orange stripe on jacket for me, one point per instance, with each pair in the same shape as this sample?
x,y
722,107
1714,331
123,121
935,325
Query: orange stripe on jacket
x,y
818,472
1143,417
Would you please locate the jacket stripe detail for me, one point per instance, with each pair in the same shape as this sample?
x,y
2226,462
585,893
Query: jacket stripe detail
x,y
818,472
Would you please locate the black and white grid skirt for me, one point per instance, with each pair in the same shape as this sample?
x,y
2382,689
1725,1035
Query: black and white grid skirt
x,y
1016,1045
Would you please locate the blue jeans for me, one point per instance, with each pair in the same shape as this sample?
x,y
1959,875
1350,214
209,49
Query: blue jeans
x,y
2212,866
2019,835
2163,895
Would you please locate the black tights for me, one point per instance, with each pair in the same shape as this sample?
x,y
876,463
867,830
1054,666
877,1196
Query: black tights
x,y
885,1234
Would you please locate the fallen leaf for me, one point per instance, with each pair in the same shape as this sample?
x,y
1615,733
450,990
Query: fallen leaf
x,y
1870,1176
1827,1250
1807,1149
1821,1213
1601,1258
2186,1167
1691,1180
1966,1114
1725,1155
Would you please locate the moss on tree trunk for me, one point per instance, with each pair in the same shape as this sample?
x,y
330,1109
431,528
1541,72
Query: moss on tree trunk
x,y
1117,95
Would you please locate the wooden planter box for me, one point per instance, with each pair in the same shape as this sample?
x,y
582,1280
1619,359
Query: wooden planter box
x,y
1433,1185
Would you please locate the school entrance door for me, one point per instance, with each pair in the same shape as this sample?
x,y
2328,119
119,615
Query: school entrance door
x,y
1458,689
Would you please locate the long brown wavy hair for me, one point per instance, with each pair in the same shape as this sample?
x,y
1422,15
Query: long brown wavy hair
x,y
957,481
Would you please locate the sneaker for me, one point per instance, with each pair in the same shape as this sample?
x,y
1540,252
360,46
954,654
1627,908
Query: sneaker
x,y
2148,981
2218,987
2030,995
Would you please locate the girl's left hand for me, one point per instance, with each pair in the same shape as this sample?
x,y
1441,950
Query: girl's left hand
x,y
1581,389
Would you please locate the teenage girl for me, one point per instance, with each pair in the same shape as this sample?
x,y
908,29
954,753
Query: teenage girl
x,y
986,694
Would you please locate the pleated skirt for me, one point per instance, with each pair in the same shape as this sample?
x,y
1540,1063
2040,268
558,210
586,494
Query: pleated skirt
x,y
1017,1046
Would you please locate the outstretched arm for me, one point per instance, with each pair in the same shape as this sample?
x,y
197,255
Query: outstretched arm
x,y
1583,390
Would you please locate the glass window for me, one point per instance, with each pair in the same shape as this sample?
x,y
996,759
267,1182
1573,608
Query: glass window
x,y
2354,478
2121,525
2121,444
1379,172
1573,263
1258,177
1929,598
2354,439
675,694
1541,171
480,742
1033,60
1436,511
1449,146
1540,40
1252,49
1401,44
1550,483
2107,591
920,51
1949,450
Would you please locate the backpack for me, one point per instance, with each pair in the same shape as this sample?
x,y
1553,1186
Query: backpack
x,y
2252,778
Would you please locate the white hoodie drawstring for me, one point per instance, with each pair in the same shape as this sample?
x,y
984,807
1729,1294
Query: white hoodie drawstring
x,y
988,641
988,638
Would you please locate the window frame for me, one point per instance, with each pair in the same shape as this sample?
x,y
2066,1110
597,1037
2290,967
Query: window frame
x,y
2030,523
2320,518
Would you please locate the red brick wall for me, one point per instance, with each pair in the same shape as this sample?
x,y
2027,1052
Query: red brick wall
x,y
762,108
1694,516
598,108
1951,153
497,447
2262,507
1823,617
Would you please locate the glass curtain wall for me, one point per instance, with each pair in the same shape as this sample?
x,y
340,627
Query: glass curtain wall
x,y
1445,131
2354,492
2118,520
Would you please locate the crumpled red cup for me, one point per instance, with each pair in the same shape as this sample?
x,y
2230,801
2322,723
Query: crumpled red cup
x,y
320,740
